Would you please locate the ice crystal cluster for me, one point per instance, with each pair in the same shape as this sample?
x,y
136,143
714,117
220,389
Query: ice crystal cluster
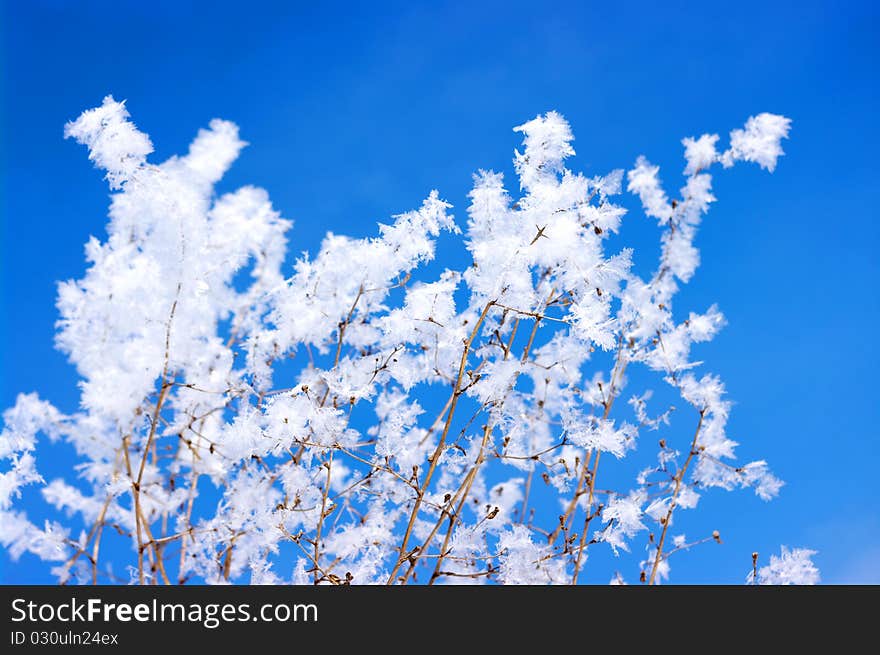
x,y
354,420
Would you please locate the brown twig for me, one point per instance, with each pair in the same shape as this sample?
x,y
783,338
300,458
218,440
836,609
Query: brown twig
x,y
441,444
678,481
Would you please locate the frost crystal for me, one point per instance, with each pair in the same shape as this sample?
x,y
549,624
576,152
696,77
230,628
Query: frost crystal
x,y
348,418
791,567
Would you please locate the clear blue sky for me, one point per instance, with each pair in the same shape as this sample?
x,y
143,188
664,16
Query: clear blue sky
x,y
356,112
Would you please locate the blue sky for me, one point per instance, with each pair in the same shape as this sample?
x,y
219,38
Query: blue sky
x,y
354,112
